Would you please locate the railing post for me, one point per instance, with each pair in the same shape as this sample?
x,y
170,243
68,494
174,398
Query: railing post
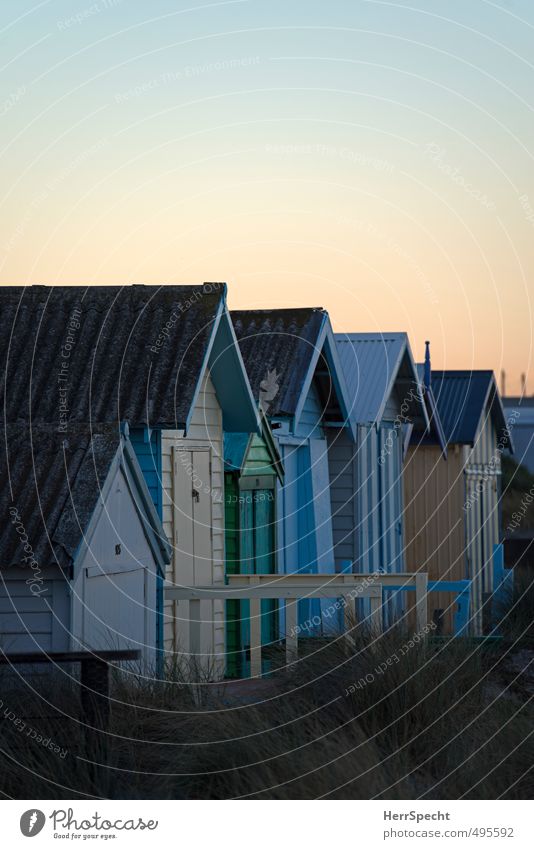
x,y
375,597
461,617
94,683
349,616
291,630
255,638
421,591
194,631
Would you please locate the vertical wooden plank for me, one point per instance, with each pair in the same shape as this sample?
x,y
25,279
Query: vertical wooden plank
x,y
421,588
201,489
194,630
376,610
255,638
291,606
349,613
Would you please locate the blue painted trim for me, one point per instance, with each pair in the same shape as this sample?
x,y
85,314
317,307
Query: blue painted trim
x,y
207,355
503,580
150,462
239,409
338,379
463,598
152,523
326,343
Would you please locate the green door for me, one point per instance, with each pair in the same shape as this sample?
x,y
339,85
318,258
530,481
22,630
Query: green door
x,y
252,515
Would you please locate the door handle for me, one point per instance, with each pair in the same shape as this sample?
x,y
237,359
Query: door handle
x,y
195,495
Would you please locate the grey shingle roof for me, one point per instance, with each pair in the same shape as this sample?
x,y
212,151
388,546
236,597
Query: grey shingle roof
x,y
119,353
53,481
284,341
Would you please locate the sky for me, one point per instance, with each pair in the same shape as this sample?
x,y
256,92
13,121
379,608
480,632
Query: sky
x,y
373,158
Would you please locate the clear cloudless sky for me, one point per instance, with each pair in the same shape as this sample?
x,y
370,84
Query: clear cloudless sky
x,y
374,158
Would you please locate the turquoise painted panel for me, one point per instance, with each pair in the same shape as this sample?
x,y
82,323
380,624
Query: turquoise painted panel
x,y
148,455
149,458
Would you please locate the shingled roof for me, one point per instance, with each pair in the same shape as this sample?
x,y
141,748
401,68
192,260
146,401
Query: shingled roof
x,y
104,353
50,487
282,341
52,484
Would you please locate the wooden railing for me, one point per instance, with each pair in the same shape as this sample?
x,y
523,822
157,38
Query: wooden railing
x,y
94,674
292,587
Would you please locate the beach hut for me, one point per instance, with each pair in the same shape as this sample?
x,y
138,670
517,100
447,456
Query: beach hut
x,y
81,545
253,470
293,367
521,409
434,508
366,484
476,432
163,359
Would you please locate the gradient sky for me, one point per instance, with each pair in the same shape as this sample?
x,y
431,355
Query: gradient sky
x,y
373,158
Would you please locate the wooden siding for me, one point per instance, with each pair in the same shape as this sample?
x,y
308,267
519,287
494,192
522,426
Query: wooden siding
x,y
344,497
258,460
310,423
99,609
205,435
148,455
435,521
114,590
367,502
30,622
481,507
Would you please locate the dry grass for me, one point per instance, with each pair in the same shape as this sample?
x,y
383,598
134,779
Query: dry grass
x,y
424,727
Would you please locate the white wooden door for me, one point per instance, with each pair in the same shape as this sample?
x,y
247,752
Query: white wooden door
x,y
193,540
192,516
115,608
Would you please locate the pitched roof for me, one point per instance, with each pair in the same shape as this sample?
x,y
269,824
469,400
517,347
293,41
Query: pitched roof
x,y
372,363
52,481
52,484
462,398
238,445
116,353
434,435
282,341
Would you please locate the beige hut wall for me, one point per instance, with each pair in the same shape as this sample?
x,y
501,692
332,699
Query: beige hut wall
x,y
435,520
205,435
